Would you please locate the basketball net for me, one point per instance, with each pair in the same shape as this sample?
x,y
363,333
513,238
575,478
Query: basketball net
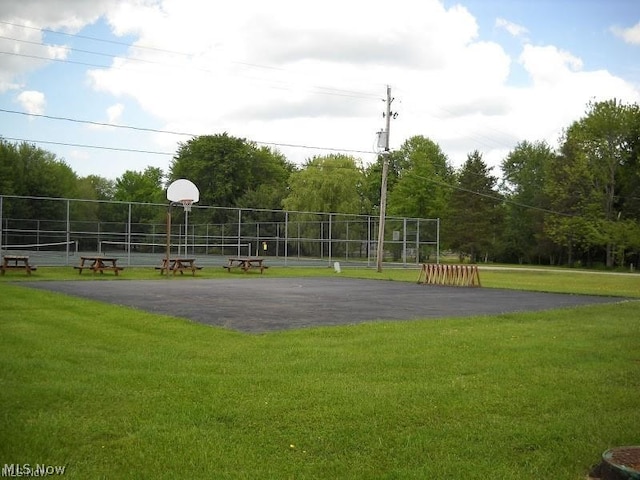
x,y
186,204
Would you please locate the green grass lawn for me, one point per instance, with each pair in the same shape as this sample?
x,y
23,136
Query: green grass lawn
x,y
118,393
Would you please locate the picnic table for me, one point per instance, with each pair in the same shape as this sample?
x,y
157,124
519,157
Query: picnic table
x,y
98,264
246,263
17,262
178,265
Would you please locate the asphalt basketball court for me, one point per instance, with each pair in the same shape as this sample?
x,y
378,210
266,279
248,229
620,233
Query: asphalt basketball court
x,y
256,305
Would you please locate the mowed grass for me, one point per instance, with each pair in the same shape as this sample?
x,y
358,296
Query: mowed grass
x,y
118,393
558,280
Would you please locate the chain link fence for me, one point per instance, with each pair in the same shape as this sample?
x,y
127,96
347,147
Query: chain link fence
x,y
55,231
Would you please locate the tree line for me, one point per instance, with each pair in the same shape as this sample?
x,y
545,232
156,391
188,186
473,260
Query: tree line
x,y
579,204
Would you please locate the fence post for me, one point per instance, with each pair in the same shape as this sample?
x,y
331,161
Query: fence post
x,y
240,230
321,239
1,220
68,230
129,237
346,244
330,236
417,241
286,237
437,240
368,240
404,242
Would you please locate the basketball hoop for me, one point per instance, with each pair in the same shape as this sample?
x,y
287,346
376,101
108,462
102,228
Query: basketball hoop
x,y
183,192
186,204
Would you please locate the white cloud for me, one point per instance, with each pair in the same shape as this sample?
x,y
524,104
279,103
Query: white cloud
x,y
292,72
314,74
22,35
113,117
257,74
67,15
513,28
32,101
630,35
559,93
548,65
114,112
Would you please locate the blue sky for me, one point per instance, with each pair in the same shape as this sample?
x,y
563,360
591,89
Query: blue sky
x,y
469,74
582,27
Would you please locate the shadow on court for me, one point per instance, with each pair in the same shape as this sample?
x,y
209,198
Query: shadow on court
x,y
268,304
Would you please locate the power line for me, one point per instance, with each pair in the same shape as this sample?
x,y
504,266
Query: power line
x,y
95,39
153,130
48,59
162,50
497,199
80,145
71,49
101,124
322,90
313,89
101,147
170,132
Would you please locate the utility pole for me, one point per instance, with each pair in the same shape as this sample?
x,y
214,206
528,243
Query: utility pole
x,y
383,187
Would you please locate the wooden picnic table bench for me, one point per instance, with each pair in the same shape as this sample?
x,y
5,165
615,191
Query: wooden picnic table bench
x,y
246,263
98,263
178,265
17,262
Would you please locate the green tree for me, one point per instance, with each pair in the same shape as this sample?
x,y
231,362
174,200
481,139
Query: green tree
x,y
373,178
31,171
143,188
95,187
332,183
10,165
629,190
525,170
475,218
268,193
97,191
424,181
575,202
231,171
598,156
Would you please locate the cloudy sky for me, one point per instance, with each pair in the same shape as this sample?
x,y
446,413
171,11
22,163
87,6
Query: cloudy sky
x,y
115,85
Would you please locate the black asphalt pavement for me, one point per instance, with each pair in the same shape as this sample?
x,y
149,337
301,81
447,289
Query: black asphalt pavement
x,y
268,304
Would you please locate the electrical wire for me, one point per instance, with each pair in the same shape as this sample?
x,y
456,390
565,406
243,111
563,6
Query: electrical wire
x,y
318,89
101,124
118,149
483,139
497,199
95,39
81,145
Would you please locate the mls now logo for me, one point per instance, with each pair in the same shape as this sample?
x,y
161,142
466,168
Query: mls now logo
x,y
28,470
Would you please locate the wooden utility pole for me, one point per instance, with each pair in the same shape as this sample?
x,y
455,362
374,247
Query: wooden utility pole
x,y
383,187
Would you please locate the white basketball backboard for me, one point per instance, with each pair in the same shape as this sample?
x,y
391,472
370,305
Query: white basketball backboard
x,y
183,189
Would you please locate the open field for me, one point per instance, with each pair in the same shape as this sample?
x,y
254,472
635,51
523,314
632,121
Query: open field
x,y
119,393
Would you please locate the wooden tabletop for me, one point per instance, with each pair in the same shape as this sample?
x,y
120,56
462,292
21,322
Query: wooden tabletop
x,y
99,257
